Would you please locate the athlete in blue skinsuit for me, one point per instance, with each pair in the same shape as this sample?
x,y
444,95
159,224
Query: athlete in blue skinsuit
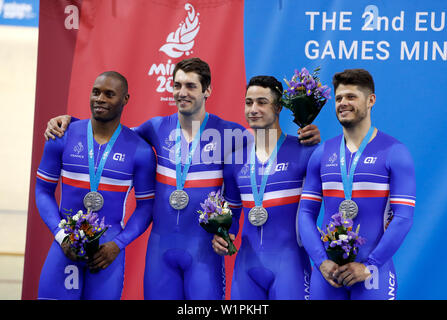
x,y
130,164
180,263
383,188
271,264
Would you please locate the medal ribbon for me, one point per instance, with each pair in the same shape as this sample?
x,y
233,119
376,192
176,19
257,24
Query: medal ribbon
x,y
95,177
259,196
348,181
181,176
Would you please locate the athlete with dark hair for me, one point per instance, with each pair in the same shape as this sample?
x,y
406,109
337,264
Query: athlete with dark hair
x,y
368,174
271,263
191,149
101,158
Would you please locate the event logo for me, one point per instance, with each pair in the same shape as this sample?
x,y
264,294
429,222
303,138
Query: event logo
x,y
182,40
179,43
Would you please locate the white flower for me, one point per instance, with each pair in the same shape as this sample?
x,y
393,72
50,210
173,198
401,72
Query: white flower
x,y
82,233
225,205
62,223
77,216
343,237
226,211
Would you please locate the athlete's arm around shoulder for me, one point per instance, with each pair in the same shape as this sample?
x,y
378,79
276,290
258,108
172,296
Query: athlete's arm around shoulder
x,y
149,129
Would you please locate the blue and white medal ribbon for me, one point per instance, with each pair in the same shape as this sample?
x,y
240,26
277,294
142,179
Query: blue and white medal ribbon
x,y
348,207
93,201
179,199
258,214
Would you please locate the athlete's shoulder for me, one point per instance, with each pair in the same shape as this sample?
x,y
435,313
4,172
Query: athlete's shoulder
x,y
133,138
78,125
385,138
397,152
333,140
158,121
225,124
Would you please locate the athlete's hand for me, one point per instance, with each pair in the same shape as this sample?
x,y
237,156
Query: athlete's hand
x,y
309,135
104,256
69,252
352,273
57,126
328,269
220,245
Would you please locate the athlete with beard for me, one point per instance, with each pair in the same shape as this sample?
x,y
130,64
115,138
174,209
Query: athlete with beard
x,y
373,173
190,147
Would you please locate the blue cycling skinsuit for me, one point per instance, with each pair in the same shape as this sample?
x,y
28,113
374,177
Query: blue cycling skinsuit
x,y
384,189
180,262
131,164
271,263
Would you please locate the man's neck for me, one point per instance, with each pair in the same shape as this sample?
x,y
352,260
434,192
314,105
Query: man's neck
x,y
190,124
265,141
354,135
103,131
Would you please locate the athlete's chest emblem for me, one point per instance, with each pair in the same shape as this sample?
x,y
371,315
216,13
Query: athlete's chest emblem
x,y
210,147
332,161
281,167
119,156
77,150
370,160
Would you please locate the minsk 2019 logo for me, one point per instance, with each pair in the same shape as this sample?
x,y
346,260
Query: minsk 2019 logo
x,y
179,43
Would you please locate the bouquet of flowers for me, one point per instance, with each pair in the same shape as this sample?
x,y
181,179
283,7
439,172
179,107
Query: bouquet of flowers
x,y
83,232
305,96
216,218
343,242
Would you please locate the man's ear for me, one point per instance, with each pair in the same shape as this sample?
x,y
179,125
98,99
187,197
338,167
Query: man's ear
x,y
208,92
126,99
371,100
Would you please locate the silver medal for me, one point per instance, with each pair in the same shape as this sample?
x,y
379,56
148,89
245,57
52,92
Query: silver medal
x,y
258,216
349,209
93,201
178,199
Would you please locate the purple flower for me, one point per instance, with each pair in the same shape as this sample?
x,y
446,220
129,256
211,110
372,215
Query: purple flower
x,y
92,218
304,73
310,84
209,206
337,219
347,223
203,218
360,241
324,91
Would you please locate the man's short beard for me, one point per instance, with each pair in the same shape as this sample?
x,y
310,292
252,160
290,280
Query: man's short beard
x,y
347,124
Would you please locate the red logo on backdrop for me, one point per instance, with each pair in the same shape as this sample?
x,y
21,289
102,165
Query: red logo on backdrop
x,y
179,43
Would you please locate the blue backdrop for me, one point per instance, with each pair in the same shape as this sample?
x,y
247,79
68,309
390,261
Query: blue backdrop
x,y
403,44
23,13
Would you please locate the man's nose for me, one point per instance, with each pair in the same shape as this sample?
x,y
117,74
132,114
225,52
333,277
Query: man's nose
x,y
100,97
254,108
183,92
